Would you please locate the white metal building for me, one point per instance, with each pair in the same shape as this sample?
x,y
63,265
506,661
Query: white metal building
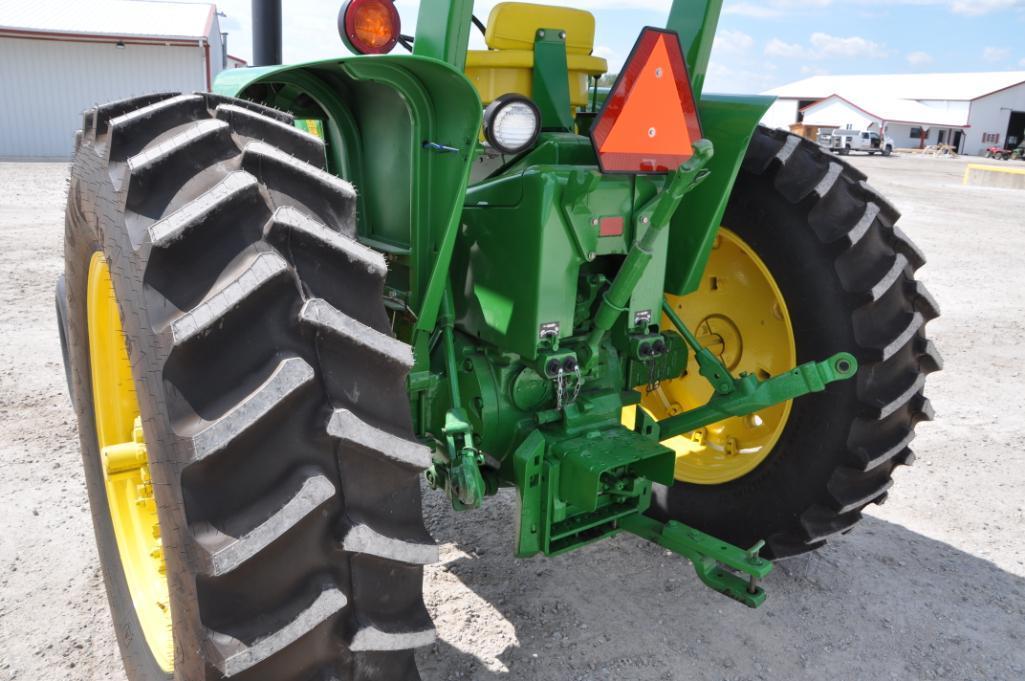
x,y
58,57
908,122
971,111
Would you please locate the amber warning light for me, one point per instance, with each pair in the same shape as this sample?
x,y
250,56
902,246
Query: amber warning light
x,y
369,26
650,119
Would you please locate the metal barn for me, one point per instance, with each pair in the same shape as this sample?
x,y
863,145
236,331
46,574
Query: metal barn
x,y
58,58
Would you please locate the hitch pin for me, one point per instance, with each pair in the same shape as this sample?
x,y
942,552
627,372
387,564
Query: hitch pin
x,y
752,557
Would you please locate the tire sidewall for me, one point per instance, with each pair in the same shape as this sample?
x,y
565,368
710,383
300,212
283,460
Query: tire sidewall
x,y
82,242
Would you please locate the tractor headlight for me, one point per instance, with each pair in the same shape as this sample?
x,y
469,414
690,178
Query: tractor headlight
x,y
512,124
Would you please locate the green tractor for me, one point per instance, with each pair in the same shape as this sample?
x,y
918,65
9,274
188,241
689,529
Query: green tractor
x,y
291,304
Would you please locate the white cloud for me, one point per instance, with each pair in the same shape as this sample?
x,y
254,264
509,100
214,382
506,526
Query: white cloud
x,y
483,7
825,46
855,46
733,42
723,78
310,25
778,8
749,9
977,7
613,57
996,54
778,48
920,58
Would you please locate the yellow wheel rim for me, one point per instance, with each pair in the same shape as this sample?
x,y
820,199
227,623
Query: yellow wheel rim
x,y
133,511
740,314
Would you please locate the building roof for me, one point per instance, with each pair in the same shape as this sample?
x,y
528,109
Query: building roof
x,y
893,110
108,18
906,86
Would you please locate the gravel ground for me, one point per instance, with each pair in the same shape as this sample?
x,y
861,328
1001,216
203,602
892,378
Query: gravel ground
x,y
930,586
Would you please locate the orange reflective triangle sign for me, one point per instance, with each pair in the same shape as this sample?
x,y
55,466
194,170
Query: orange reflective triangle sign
x,y
650,120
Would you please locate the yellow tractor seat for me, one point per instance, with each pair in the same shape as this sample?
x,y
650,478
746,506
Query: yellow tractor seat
x,y
508,66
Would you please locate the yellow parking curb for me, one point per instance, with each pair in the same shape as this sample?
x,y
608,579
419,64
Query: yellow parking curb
x,y
989,169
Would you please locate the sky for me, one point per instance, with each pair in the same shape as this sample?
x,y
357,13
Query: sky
x,y
759,44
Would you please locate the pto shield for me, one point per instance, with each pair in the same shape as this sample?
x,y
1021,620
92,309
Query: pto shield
x,y
650,120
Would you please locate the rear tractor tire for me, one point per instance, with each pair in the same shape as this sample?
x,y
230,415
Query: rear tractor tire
x,y
845,273
259,432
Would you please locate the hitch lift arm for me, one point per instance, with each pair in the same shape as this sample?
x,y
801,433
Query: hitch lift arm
x,y
746,395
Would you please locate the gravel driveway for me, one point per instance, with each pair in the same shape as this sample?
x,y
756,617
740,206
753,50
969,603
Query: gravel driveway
x,y
930,586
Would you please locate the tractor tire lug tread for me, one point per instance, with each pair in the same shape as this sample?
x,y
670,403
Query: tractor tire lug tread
x,y
925,303
928,356
304,146
174,227
887,209
262,269
96,121
822,524
290,376
287,221
151,179
348,428
893,277
364,539
232,656
222,553
763,151
277,482
132,131
372,639
881,316
874,458
151,159
319,314
830,180
909,329
858,232
332,199
789,147
923,409
214,100
886,405
851,490
903,244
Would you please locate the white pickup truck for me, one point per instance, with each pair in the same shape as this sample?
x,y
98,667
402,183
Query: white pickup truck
x,y
845,141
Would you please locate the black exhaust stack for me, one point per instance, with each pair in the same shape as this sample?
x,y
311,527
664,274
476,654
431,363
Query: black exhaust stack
x,y
266,32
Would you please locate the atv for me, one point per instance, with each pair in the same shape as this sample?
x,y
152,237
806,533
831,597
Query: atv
x,y
998,153
291,304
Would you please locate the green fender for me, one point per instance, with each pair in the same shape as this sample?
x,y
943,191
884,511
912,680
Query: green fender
x,y
730,123
404,130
